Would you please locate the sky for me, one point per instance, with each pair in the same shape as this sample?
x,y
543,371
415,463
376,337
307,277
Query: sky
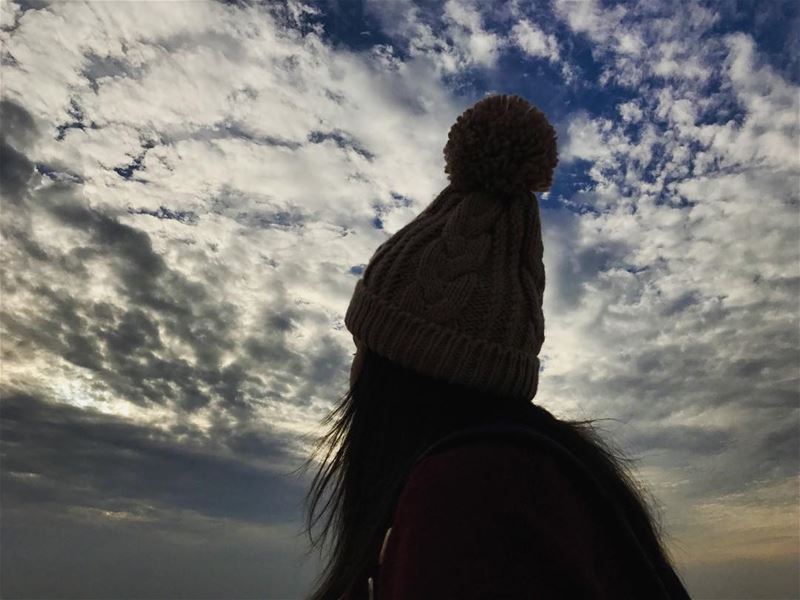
x,y
191,189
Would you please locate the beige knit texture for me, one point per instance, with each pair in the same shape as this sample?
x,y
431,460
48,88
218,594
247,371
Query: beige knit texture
x,y
457,293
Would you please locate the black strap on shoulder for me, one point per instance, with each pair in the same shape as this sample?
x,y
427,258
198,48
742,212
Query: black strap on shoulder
x,y
672,589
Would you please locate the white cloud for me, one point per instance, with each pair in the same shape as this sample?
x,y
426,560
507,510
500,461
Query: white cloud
x,y
482,47
459,42
684,312
591,139
664,44
534,41
630,112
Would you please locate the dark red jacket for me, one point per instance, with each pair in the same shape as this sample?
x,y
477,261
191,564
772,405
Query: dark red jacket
x,y
498,520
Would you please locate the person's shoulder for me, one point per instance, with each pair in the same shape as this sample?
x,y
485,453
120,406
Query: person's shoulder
x,y
467,526
500,498
488,472
503,501
494,457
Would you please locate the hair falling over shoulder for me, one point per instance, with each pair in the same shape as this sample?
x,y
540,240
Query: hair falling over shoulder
x,y
372,438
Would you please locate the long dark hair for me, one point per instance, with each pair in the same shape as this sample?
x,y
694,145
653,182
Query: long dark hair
x,y
385,420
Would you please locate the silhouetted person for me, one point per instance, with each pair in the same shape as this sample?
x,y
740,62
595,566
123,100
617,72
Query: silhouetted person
x,y
448,324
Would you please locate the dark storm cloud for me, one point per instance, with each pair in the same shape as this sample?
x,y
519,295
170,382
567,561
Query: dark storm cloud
x,y
685,300
576,266
322,366
327,363
184,307
268,344
19,128
123,347
24,242
15,172
782,444
6,58
98,506
149,554
60,456
675,377
693,440
122,342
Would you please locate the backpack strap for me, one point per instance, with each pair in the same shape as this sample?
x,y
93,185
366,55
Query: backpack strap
x,y
512,430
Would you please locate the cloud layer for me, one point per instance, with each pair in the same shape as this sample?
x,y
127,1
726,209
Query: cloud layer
x,y
190,193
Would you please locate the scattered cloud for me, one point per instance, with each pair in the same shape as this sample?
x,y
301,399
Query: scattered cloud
x,y
534,41
189,195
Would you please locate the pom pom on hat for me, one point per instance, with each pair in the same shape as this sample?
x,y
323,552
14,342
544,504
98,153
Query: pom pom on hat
x,y
503,144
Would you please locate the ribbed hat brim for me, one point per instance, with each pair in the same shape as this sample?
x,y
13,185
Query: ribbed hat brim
x,y
439,352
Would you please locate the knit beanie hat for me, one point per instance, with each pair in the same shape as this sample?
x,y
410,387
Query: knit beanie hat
x,y
456,294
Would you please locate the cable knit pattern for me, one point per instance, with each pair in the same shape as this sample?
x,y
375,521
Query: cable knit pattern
x,y
457,292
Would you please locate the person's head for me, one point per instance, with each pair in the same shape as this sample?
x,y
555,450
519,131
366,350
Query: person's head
x,y
457,293
448,324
